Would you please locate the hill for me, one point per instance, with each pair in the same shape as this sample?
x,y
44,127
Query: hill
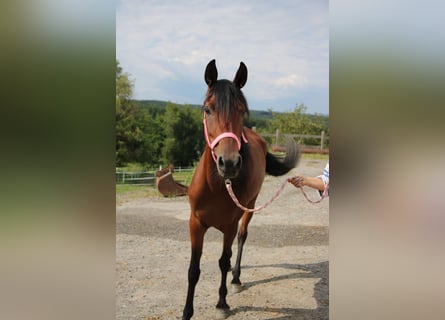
x,y
160,105
258,118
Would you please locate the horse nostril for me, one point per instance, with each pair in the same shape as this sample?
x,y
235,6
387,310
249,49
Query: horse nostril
x,y
220,162
239,163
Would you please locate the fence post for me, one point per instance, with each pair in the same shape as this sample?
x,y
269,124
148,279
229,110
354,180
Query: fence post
x,y
276,137
322,140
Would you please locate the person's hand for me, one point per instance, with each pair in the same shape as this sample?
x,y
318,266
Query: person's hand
x,y
297,181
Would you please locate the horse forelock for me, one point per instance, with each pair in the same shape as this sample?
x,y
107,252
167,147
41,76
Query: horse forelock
x,y
229,101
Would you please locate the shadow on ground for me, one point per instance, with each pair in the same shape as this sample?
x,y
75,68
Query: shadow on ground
x,y
296,271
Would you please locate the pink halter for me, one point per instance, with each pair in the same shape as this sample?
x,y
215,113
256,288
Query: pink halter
x,y
223,135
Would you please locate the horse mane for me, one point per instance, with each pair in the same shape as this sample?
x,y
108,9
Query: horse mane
x,y
229,100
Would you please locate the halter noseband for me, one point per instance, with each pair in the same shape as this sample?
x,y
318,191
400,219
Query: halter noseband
x,y
223,135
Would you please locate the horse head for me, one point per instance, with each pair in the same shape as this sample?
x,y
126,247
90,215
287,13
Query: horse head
x,y
224,110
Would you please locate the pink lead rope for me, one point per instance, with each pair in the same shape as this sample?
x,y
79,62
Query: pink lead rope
x,y
325,192
239,205
228,184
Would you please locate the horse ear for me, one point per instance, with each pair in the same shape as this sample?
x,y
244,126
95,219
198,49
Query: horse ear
x,y
211,74
241,76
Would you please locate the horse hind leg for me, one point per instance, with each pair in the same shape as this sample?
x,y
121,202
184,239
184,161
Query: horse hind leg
x,y
242,236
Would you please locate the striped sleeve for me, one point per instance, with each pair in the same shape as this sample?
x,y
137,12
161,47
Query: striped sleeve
x,y
325,176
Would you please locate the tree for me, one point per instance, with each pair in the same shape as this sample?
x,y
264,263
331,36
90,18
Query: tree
x,y
183,142
138,134
124,90
125,116
296,122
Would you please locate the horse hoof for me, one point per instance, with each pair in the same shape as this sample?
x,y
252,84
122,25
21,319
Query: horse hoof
x,y
221,314
237,288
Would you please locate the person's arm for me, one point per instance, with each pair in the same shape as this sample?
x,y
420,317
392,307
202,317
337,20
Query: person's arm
x,y
301,181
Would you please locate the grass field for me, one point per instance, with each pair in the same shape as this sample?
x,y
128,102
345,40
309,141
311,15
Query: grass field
x,y
315,156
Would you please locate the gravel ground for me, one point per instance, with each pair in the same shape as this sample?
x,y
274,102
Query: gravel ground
x,y
285,268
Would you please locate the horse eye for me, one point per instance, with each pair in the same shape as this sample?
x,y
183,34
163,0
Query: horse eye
x,y
206,110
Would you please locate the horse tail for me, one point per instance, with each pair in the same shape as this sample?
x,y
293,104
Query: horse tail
x,y
275,167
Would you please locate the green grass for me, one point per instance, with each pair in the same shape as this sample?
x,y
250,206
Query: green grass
x,y
136,190
126,193
184,177
125,188
316,156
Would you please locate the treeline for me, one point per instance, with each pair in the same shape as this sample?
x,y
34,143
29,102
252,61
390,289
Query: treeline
x,y
154,133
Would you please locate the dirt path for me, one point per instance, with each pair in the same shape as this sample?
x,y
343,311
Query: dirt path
x,y
284,267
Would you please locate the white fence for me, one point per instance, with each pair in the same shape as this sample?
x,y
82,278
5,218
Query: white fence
x,y
142,177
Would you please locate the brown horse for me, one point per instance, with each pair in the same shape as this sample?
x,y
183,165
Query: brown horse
x,y
233,152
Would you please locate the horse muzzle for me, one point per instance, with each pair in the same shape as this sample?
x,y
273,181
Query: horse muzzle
x,y
229,168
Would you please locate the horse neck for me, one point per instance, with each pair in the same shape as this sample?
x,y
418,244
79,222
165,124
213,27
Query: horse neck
x,y
211,172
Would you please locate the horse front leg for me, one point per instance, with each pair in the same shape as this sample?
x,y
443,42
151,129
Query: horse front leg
x,y
197,232
242,236
224,266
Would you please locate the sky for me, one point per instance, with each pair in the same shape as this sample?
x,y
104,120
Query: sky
x,y
166,45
